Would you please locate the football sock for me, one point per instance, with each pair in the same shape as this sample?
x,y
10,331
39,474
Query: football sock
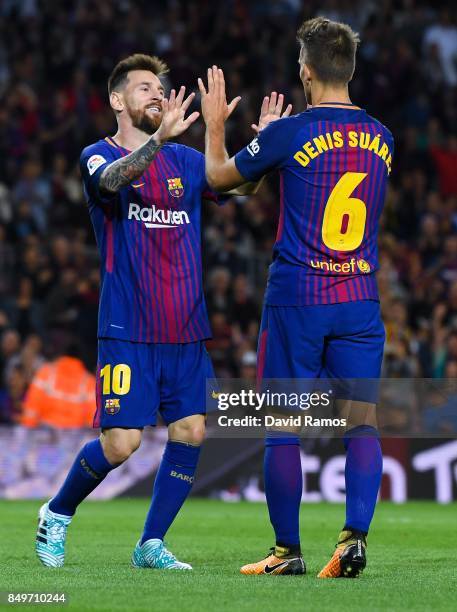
x,y
363,476
172,485
283,488
87,472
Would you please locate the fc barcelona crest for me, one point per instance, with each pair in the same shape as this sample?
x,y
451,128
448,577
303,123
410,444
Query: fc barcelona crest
x,y
112,405
175,187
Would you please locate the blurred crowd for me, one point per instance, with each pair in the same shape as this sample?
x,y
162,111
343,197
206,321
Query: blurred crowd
x,y
55,58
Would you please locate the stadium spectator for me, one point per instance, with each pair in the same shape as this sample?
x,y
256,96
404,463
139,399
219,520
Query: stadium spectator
x,y
62,301
445,158
9,347
443,35
219,285
243,309
30,357
248,366
61,394
23,311
34,187
12,396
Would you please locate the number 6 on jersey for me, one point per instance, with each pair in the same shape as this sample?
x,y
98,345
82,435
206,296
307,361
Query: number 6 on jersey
x,y
344,220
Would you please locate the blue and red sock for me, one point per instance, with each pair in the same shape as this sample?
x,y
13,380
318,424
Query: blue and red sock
x,y
87,472
172,485
363,476
283,487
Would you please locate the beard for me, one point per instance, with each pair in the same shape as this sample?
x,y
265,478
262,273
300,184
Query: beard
x,y
143,121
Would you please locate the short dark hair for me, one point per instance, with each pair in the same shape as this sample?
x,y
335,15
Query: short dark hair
x,y
137,61
329,48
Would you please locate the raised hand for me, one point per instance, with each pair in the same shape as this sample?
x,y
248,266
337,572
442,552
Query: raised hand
x,y
173,112
214,101
271,111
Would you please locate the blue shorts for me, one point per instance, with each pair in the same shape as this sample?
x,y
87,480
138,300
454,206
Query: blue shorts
x,y
335,341
136,380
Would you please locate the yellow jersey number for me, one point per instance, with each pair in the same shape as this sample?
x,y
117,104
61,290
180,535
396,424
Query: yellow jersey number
x,y
344,221
118,381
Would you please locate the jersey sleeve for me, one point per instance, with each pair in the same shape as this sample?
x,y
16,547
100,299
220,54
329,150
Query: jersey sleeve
x,y
93,161
268,151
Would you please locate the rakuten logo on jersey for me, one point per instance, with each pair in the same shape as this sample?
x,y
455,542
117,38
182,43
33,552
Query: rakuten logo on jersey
x,y
157,217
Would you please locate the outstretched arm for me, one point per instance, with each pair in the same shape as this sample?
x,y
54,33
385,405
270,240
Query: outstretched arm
x,y
221,171
125,170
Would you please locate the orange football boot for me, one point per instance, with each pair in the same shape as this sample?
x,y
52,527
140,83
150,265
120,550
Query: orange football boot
x,y
278,561
349,558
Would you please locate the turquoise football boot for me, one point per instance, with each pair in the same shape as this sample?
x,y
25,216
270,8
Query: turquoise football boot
x,y
50,537
154,554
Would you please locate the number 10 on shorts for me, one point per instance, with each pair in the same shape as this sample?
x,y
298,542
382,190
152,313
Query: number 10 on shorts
x,y
116,380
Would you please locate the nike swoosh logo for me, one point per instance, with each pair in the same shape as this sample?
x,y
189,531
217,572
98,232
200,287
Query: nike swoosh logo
x,y
271,568
138,186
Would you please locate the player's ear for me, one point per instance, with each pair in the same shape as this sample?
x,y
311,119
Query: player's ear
x,y
307,76
116,101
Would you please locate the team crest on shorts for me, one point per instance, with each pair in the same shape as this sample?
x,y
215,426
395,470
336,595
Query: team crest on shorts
x,y
112,405
175,187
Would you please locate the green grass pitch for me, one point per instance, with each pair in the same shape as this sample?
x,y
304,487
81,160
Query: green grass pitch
x,y
412,561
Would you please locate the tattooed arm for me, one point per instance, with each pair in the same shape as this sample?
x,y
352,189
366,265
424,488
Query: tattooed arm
x,y
125,170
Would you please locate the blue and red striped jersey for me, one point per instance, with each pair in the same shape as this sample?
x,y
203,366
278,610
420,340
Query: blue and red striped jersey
x,y
149,239
333,166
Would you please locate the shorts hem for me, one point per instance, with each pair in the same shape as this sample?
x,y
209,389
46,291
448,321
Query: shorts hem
x,y
124,426
182,416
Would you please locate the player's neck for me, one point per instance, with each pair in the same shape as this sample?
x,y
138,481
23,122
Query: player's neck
x,y
130,137
326,95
